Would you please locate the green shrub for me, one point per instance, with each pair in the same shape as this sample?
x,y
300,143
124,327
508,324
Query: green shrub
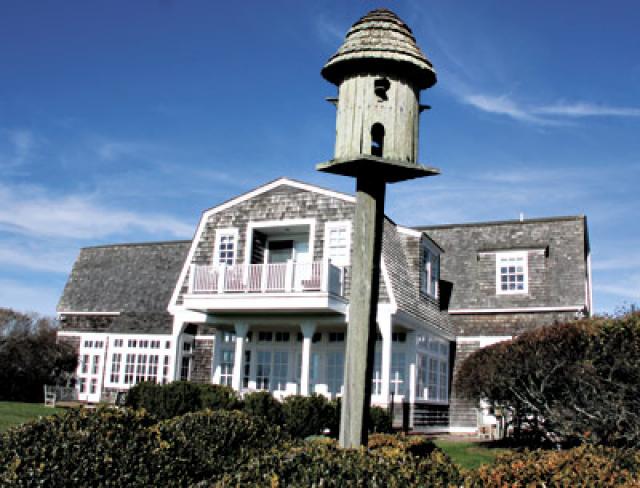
x,y
584,466
306,415
313,464
380,420
567,383
262,404
80,448
208,443
180,397
418,446
116,448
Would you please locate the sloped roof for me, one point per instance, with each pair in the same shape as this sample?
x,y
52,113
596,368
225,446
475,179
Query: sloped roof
x,y
124,277
564,240
382,42
402,269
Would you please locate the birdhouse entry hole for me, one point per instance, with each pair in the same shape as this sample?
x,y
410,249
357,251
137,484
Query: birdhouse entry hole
x,y
377,139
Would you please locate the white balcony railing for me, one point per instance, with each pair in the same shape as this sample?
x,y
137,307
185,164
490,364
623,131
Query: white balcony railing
x,y
289,277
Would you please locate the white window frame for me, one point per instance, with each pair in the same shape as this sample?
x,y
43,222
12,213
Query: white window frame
x,y
225,232
427,287
333,225
507,255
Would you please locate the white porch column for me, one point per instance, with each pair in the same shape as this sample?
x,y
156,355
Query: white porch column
x,y
412,356
308,329
241,332
216,357
384,322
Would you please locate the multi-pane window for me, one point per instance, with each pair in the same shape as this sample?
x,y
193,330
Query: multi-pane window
x,y
280,370
141,368
335,371
433,369
82,385
93,386
247,369
226,251
95,365
430,272
263,370
377,374
336,336
185,368
115,367
226,366
152,370
398,368
129,368
165,371
84,363
511,272
117,343
337,243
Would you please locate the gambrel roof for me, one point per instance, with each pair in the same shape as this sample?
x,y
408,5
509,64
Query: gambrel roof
x,y
124,278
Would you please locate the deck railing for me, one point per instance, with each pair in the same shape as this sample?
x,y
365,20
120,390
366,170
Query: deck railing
x,y
289,277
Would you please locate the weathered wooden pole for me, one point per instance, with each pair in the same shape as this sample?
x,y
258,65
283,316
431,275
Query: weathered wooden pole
x,y
363,307
379,71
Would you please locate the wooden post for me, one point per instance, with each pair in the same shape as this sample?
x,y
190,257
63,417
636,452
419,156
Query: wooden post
x,y
361,337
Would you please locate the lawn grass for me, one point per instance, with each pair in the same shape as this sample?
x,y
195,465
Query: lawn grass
x,y
16,413
469,455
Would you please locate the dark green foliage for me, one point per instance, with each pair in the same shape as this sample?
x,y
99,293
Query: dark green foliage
x,y
315,464
80,448
306,415
584,466
380,420
567,383
30,357
180,397
112,447
262,404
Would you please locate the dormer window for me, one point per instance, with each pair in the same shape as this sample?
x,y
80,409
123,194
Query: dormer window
x,y
430,271
226,243
512,274
338,242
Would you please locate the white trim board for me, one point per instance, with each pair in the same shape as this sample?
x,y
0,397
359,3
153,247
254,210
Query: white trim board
x,y
576,308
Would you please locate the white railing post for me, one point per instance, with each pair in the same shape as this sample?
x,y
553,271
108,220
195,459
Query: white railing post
x,y
222,268
325,266
288,276
192,277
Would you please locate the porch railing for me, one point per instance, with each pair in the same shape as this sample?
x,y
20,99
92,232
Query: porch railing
x,y
289,277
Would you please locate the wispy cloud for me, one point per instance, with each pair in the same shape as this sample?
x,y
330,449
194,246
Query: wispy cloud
x,y
28,297
584,109
19,147
555,114
31,210
630,288
37,258
329,31
112,150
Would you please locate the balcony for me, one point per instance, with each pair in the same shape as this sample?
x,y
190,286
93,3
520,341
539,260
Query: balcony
x,y
288,286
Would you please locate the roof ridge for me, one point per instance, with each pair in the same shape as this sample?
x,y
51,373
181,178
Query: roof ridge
x,y
138,244
501,222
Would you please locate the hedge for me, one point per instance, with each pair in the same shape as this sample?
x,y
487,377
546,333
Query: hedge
x,y
584,466
180,397
316,464
109,448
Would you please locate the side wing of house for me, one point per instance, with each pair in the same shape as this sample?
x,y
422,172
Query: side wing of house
x,y
113,311
504,278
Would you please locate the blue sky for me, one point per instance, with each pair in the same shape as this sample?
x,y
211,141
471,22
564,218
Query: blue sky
x,y
121,121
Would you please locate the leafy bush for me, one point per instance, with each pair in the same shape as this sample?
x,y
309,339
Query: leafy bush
x,y
128,448
180,397
314,464
418,446
570,383
262,404
380,420
306,415
209,443
584,466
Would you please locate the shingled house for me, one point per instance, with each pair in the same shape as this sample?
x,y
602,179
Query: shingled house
x,y
259,300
